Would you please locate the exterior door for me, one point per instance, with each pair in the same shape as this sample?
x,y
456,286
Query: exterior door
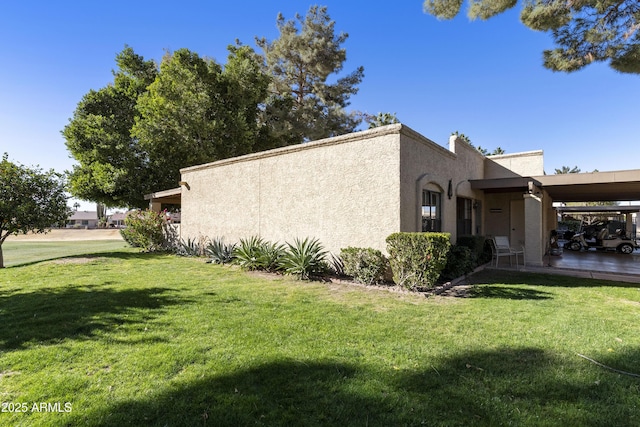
x,y
516,223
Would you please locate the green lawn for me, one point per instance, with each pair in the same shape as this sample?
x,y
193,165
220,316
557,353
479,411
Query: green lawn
x,y
127,339
25,252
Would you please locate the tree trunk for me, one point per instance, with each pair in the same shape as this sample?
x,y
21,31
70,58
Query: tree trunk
x,y
1,257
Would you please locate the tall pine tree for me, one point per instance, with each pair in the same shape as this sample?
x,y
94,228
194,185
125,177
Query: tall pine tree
x,y
585,31
303,104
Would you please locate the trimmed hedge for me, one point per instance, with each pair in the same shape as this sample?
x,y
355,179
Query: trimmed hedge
x,y
417,259
365,265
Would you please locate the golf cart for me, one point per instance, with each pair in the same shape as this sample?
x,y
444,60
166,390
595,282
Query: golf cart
x,y
603,235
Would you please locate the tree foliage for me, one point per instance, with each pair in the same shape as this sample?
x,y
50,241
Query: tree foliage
x,y
480,149
585,31
197,112
381,119
567,169
30,200
113,169
133,136
303,105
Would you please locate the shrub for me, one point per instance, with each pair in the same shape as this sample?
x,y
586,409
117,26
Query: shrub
x,y
220,252
145,229
304,258
417,259
460,261
365,265
480,251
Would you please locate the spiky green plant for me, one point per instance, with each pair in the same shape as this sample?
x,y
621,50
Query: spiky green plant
x,y
220,252
247,253
270,256
305,258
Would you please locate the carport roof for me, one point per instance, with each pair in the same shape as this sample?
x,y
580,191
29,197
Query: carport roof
x,y
173,196
573,187
594,186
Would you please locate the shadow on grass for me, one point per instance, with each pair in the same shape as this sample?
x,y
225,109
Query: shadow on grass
x,y
112,254
498,387
47,316
495,276
507,292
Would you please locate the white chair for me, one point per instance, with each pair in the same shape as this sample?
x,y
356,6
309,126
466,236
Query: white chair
x,y
503,248
497,252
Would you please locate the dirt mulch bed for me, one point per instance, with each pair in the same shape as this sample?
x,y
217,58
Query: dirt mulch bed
x,y
68,234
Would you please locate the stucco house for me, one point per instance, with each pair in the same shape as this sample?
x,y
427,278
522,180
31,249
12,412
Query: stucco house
x,y
356,189
82,219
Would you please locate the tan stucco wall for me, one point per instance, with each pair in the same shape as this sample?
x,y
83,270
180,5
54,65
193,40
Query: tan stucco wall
x,y
345,191
426,165
528,163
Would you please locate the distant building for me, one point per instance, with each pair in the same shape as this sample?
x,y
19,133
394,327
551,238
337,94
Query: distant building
x,y
116,220
83,219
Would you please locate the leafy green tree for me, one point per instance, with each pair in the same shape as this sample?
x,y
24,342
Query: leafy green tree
x,y
132,137
585,31
195,112
113,169
302,104
381,119
30,200
497,151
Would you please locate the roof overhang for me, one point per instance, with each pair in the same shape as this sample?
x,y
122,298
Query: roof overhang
x,y
613,186
504,185
173,196
612,209
593,187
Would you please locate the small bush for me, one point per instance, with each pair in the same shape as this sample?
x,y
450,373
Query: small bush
x,y
460,261
417,259
480,251
220,252
145,230
304,258
365,265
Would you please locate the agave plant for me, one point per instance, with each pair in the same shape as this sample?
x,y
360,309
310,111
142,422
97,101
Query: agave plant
x,y
190,247
304,258
220,252
270,256
248,253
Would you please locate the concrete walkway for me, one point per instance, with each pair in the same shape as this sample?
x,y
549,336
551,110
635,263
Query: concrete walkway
x,y
592,264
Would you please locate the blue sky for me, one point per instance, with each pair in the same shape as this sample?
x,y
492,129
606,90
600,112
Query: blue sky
x,y
484,79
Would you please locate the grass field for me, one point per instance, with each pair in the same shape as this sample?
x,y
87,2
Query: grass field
x,y
123,339
26,252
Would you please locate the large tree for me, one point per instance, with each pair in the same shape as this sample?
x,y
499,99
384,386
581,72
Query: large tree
x,y
113,169
197,112
303,105
585,31
132,137
30,200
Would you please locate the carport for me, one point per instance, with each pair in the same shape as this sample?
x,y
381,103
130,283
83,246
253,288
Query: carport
x,y
576,188
528,204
